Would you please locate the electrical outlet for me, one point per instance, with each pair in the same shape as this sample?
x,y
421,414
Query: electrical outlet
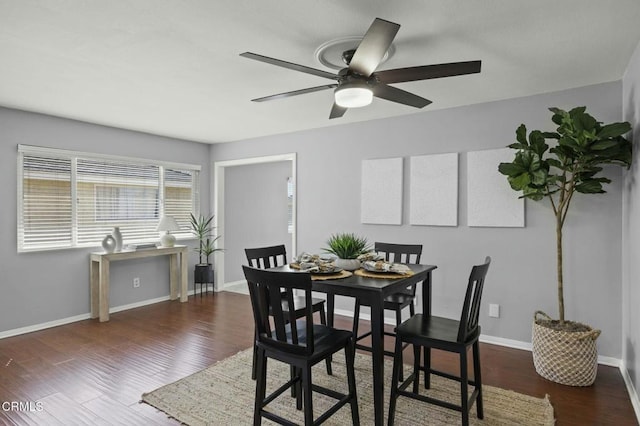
x,y
494,310
136,282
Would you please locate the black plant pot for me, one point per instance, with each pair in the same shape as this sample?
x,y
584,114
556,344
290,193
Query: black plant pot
x,y
203,275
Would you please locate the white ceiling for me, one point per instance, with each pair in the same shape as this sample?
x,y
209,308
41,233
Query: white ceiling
x,y
171,67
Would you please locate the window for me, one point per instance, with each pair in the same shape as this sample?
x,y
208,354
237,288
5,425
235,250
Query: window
x,y
72,199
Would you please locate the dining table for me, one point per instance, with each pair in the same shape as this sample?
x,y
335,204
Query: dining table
x,y
371,291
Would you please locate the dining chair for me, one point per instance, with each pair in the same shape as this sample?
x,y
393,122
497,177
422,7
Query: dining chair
x,y
296,341
397,253
432,332
270,257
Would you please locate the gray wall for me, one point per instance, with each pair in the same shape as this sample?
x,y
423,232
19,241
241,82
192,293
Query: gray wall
x,y
255,206
631,228
522,275
54,285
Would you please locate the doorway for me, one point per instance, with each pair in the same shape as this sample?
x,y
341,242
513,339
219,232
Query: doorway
x,y
234,183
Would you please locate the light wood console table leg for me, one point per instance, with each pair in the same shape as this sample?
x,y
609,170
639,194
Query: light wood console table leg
x,y
173,276
94,271
104,290
184,295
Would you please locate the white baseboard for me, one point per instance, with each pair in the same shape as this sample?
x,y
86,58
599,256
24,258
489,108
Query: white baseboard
x,y
42,326
230,284
138,304
633,394
81,317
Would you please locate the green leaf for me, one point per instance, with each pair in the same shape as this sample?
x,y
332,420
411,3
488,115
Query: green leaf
x,y
577,111
537,142
535,194
517,145
539,177
590,186
551,135
602,145
614,129
557,118
554,163
521,134
519,182
510,169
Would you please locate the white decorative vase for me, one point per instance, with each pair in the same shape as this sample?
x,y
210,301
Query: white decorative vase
x,y
347,264
117,236
109,244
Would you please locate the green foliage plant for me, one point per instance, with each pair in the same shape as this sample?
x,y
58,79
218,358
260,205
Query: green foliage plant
x,y
201,228
347,245
582,145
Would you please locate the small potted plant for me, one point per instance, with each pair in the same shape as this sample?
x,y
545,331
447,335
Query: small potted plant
x,y
202,229
565,351
347,247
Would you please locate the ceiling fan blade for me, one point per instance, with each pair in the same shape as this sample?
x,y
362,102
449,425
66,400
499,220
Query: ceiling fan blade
x,y
426,72
295,93
400,96
337,111
373,47
289,65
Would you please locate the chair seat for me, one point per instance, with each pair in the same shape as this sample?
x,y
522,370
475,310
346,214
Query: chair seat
x,y
327,340
434,329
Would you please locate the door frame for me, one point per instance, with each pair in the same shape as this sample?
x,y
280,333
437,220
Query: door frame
x,y
219,168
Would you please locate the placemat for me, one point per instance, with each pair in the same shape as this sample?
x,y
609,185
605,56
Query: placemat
x,y
391,275
339,275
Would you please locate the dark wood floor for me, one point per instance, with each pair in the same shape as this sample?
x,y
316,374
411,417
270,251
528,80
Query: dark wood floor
x,y
94,373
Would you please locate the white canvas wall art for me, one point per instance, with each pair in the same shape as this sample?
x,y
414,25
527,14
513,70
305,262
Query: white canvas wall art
x,y
433,193
490,199
381,191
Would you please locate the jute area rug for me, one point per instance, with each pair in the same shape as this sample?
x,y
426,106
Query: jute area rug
x,y
223,394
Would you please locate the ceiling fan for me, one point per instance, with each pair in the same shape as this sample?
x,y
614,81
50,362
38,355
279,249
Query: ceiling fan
x,y
357,83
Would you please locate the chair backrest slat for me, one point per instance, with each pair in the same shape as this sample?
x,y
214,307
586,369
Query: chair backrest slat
x,y
473,296
399,253
268,291
266,257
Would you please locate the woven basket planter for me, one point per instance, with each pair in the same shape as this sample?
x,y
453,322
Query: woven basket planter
x,y
568,358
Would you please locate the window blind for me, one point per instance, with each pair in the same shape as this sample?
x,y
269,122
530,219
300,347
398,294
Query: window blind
x,y
71,199
46,219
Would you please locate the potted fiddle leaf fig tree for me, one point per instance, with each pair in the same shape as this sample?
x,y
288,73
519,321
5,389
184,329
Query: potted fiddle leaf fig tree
x,y
347,247
565,351
202,229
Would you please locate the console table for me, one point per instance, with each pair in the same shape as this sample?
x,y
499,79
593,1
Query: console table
x,y
99,271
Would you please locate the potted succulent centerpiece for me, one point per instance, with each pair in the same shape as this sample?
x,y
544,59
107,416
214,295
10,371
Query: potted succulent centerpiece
x,y
347,247
565,351
202,228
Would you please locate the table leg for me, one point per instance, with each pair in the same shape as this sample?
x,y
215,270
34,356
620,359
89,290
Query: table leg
x,y
331,299
173,276
184,283
103,290
94,279
426,310
377,355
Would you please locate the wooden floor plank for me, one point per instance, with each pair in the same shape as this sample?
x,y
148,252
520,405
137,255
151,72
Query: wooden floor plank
x,y
95,373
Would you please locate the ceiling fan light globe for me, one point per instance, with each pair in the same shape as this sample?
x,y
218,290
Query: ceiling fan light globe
x,y
353,96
